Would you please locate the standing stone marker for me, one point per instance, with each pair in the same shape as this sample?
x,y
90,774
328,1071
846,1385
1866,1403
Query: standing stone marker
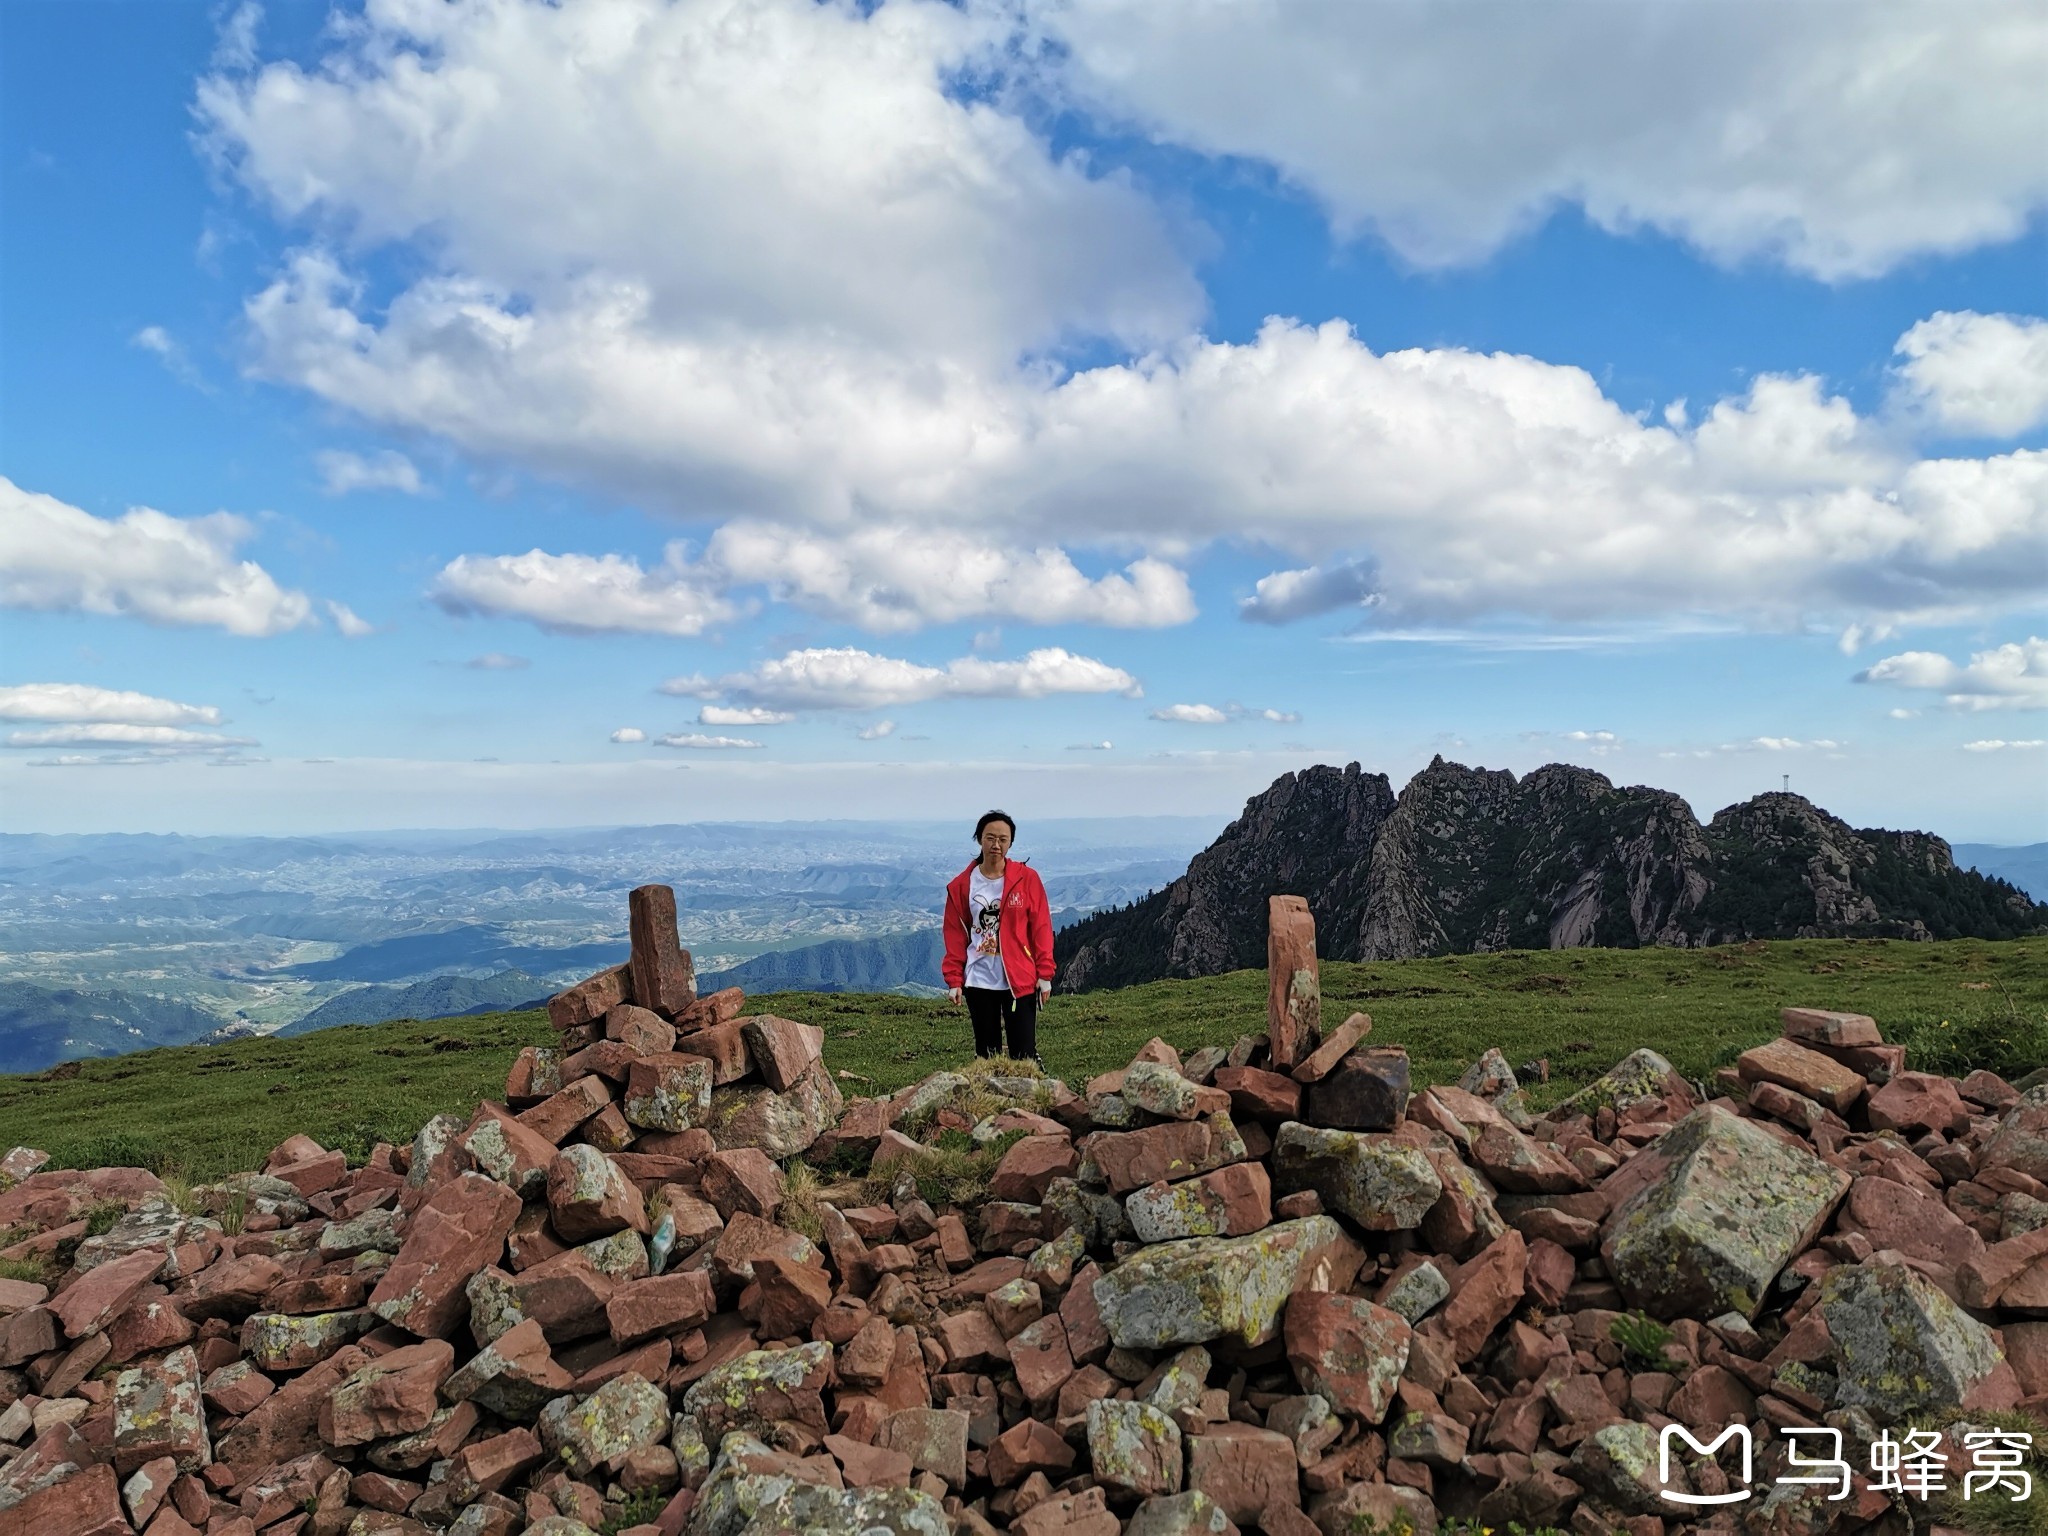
x,y
663,978
1294,989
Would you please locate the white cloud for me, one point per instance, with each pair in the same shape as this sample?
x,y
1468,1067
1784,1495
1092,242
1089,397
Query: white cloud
x,y
705,743
1903,714
385,470
143,564
167,350
726,714
819,300
1092,746
1278,716
2003,746
877,731
352,625
1979,375
886,579
1192,714
1745,130
628,734
2011,676
1592,738
82,703
1781,744
846,678
1286,596
165,736
497,661
235,47
584,594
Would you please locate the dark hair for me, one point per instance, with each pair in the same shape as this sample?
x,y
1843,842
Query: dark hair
x,y
981,826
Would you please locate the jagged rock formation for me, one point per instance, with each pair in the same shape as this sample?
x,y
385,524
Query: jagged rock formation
x,y
1475,859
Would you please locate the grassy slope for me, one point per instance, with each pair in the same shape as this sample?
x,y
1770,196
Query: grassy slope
x,y
214,1109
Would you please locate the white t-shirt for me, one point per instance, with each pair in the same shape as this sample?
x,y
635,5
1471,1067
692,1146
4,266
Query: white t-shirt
x,y
984,933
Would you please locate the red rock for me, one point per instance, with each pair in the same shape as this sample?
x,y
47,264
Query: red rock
x,y
745,1179
1820,1078
1324,1058
869,1466
782,1049
1130,1160
311,1175
536,1072
1294,997
394,1394
1245,1470
711,1009
1875,1063
1520,1165
724,1046
1711,1397
1484,1291
287,1423
1030,1165
100,1295
230,1288
1030,1446
972,1341
1548,1274
609,1059
236,1389
1349,1350
559,1114
1915,1103
455,1234
1990,1090
1368,1091
506,1148
87,1503
673,1303
663,978
640,1030
1039,1357
588,1197
1231,1202
1913,1221
1819,1025
792,1295
1257,1095
747,1238
591,998
1087,1338
158,1412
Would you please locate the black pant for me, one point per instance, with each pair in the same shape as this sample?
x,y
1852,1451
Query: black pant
x,y
994,1011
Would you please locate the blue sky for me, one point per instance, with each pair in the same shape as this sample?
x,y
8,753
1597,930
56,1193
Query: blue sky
x,y
875,412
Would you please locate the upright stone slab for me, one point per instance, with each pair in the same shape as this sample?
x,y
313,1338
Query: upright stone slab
x,y
1294,991
1718,1206
1204,1288
662,977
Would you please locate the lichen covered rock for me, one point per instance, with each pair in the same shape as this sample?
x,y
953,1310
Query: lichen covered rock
x,y
1900,1346
1205,1288
1381,1184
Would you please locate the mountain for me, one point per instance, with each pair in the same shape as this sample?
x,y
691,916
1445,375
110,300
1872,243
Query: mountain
x,y
438,997
2025,866
1471,859
40,1026
892,962
464,946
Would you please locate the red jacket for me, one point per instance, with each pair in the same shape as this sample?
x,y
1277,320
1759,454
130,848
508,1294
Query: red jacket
x,y
1025,929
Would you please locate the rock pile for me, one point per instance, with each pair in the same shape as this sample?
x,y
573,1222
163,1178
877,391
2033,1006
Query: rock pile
x,y
1202,1294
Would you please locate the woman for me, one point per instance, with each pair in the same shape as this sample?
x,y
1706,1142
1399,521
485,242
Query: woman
x,y
999,943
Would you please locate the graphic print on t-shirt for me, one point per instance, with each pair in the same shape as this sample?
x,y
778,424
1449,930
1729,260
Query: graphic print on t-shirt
x,y
985,946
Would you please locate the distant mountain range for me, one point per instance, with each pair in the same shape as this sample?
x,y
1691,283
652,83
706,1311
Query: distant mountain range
x,y
897,962
438,997
40,1026
1471,859
2025,866
458,946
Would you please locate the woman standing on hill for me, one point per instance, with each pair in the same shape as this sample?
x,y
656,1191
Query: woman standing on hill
x,y
998,931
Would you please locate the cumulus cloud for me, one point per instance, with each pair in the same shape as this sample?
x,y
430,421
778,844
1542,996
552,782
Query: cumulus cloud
x,y
351,624
2011,676
584,594
83,703
385,470
1978,375
1780,744
170,737
626,735
1750,130
887,579
1995,745
877,731
838,339
1192,714
497,661
848,678
696,742
157,341
143,564
1092,746
1285,596
726,714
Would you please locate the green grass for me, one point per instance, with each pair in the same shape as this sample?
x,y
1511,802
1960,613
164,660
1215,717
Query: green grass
x,y
210,1110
